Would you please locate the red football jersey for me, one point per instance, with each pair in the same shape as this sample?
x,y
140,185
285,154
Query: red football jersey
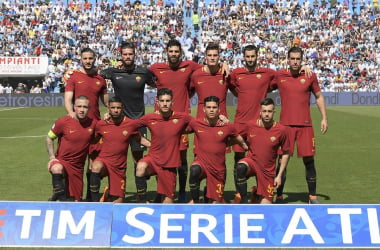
x,y
92,86
177,80
212,142
165,137
206,84
73,139
295,97
251,87
264,144
115,139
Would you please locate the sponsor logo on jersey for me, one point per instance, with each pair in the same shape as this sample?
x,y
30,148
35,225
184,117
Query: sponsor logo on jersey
x,y
272,138
252,135
118,77
138,78
125,132
72,131
200,131
200,82
106,132
182,69
162,71
153,123
282,80
79,82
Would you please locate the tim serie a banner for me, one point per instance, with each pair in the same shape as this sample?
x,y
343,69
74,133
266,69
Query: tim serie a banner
x,y
32,224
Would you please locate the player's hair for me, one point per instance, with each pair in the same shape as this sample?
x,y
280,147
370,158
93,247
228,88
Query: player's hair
x,y
128,45
212,46
250,47
82,97
295,50
173,42
211,98
87,49
164,91
267,101
115,99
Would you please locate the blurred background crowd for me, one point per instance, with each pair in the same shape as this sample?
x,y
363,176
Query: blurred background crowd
x,y
340,38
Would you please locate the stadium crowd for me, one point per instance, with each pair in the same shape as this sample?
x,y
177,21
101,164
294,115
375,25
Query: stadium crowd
x,y
341,42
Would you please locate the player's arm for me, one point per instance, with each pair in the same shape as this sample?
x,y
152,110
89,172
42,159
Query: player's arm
x,y
50,144
225,69
238,140
307,70
105,99
142,140
68,97
284,163
320,100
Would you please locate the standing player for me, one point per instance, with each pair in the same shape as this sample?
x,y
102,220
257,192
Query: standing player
x,y
295,90
264,137
210,162
166,127
209,80
115,133
129,84
88,82
67,163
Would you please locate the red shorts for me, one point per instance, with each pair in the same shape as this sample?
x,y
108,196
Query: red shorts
x,y
116,177
73,178
184,142
215,180
239,128
304,137
264,180
166,177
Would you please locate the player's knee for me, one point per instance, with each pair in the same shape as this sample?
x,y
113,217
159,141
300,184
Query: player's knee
x,y
195,171
141,169
56,169
96,166
241,170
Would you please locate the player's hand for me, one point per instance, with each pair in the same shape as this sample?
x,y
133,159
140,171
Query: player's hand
x,y
277,182
106,116
307,70
52,158
225,69
67,75
324,126
223,119
71,114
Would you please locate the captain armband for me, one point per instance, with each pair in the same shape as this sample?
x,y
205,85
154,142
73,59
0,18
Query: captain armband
x,y
52,135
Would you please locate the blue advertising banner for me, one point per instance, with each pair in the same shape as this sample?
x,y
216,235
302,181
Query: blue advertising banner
x,y
55,224
245,226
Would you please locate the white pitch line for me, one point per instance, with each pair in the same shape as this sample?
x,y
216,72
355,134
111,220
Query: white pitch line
x,y
18,137
11,109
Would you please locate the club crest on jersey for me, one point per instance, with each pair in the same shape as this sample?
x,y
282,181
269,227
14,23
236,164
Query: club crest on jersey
x,y
125,132
97,83
220,133
272,138
138,78
175,121
221,81
90,130
258,76
302,81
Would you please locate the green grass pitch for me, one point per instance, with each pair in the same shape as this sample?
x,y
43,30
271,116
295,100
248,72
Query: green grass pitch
x,y
346,159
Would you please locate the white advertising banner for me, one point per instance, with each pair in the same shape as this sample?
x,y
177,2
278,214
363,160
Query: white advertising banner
x,y
23,66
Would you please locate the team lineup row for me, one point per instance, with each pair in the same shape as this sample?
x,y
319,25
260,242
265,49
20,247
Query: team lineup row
x,y
177,81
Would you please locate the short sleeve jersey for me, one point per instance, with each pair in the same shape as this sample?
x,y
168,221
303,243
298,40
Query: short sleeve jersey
x,y
177,80
264,144
295,97
73,139
206,84
92,86
251,87
129,86
165,137
212,142
115,139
